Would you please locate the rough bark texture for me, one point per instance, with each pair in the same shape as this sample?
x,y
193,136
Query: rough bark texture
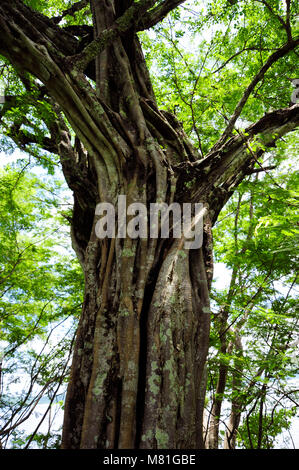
x,y
138,371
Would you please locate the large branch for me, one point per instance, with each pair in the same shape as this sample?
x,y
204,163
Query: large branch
x,y
215,177
124,23
158,14
278,54
236,153
39,28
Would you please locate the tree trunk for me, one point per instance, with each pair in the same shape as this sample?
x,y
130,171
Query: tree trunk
x,y
141,349
142,340
137,377
231,430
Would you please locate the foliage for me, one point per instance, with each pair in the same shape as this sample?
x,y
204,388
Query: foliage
x,y
41,289
255,238
202,57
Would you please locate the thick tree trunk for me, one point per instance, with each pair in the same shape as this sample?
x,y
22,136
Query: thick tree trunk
x,y
144,332
143,336
141,349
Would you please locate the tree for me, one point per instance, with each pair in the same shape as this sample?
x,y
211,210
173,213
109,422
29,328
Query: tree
x,y
255,327
138,375
40,292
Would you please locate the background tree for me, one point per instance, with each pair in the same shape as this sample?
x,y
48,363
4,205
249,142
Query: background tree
x,y
40,300
255,328
85,94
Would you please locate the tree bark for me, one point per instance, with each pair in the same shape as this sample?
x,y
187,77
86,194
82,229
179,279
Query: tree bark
x,y
138,371
236,407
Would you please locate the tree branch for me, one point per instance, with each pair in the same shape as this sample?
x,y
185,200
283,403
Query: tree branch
x,y
279,53
252,48
220,172
23,138
124,23
286,24
71,11
158,14
259,170
79,30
